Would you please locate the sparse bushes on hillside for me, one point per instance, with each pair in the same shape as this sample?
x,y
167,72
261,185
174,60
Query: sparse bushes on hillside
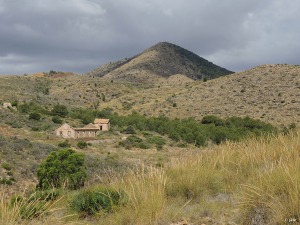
x,y
64,168
211,127
32,107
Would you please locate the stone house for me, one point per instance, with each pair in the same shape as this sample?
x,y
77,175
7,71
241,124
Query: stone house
x,y
65,131
102,124
88,131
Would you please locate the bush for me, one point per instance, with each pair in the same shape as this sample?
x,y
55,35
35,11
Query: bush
x,y
82,144
133,141
129,130
32,108
59,110
14,103
6,166
85,115
155,140
89,202
63,168
64,144
57,119
7,181
34,116
211,119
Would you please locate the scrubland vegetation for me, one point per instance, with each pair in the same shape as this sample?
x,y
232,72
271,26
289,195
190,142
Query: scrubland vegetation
x,y
254,181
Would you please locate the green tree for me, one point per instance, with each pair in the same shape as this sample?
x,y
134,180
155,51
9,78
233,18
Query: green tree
x,y
63,168
59,110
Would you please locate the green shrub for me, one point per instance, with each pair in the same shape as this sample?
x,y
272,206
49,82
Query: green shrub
x,y
9,173
23,108
6,166
7,181
59,110
129,130
14,103
57,119
90,202
143,145
32,107
63,168
34,116
211,119
85,115
64,144
134,141
82,144
157,140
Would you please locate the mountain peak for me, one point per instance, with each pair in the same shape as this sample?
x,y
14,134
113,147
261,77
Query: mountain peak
x,y
162,59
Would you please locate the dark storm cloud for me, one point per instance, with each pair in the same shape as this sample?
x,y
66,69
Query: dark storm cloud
x,y
79,35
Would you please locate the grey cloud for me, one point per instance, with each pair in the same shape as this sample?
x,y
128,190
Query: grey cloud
x,y
79,35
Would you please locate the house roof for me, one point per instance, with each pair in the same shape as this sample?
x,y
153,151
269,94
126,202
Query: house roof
x,y
102,121
88,127
65,126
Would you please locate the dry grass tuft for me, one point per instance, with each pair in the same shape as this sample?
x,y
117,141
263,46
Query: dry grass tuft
x,y
29,211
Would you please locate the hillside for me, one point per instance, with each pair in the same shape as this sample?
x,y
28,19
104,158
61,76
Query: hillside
x,y
163,59
267,92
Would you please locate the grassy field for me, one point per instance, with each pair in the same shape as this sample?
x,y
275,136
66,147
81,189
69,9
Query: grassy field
x,y
255,181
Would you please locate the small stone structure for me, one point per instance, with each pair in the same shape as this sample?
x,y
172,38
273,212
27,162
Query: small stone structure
x,y
88,131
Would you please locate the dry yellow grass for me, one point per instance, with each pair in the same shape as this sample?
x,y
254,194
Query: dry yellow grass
x,y
255,180
251,182
31,212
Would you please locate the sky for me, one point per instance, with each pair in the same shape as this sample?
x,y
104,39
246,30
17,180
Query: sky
x,y
80,35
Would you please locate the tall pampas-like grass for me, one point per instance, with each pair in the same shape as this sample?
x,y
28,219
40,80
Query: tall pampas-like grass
x,y
30,211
